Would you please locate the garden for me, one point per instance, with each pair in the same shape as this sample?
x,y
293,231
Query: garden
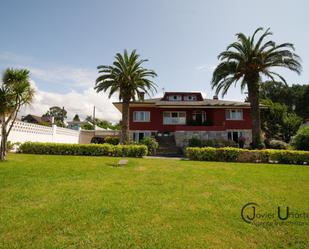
x,y
52,201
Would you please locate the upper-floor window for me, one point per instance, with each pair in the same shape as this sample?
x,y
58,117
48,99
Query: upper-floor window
x,y
234,114
141,116
174,118
174,97
190,98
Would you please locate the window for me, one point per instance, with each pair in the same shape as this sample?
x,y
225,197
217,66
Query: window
x,y
234,114
234,135
140,135
199,116
174,97
190,98
141,116
174,117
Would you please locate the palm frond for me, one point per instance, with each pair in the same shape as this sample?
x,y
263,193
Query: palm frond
x,y
125,76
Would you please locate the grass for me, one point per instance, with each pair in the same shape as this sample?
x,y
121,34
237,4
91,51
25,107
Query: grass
x,y
86,202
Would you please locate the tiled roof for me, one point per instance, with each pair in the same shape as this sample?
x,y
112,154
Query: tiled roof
x,y
205,102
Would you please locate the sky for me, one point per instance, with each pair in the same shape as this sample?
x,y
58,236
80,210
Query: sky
x,y
62,42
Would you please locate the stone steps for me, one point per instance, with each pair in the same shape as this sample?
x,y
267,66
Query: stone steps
x,y
168,150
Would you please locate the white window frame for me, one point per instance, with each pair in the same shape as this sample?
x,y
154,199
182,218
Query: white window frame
x,y
172,98
203,113
168,119
137,116
238,114
135,135
190,98
239,134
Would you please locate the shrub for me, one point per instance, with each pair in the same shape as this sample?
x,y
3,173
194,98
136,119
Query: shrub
x,y
219,143
112,140
84,149
194,142
151,144
97,140
212,154
244,155
301,139
277,144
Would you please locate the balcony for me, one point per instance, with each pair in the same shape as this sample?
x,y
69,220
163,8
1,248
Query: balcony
x,y
199,123
174,120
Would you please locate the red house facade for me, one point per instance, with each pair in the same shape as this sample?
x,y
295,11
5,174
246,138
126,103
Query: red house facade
x,y
187,114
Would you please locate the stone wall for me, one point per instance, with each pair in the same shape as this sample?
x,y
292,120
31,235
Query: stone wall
x,y
182,137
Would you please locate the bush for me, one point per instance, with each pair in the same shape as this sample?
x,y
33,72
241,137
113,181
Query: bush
x,y
112,140
195,142
212,154
301,139
219,143
84,149
277,144
97,140
151,144
244,155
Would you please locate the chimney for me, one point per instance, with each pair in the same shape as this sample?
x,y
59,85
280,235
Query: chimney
x,y
141,96
215,97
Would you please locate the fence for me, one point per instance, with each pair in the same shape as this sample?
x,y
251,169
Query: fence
x,y
23,132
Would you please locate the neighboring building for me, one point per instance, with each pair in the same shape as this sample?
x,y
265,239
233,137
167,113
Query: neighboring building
x,y
76,125
36,119
184,115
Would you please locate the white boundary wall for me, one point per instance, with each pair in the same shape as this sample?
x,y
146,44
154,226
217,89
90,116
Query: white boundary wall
x,y
23,132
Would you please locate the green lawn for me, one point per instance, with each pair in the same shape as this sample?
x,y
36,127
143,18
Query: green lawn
x,y
86,202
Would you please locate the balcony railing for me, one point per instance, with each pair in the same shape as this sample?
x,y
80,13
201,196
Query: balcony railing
x,y
173,121
199,123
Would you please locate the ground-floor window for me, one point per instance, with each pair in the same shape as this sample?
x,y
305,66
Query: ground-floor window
x,y
234,135
140,135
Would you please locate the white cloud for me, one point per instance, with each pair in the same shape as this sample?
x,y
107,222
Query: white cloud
x,y
75,103
6,57
69,76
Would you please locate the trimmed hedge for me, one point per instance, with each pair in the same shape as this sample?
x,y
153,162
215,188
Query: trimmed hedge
x,y
84,149
243,155
112,140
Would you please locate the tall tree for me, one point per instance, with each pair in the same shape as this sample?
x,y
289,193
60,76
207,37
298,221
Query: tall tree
x,y
278,121
15,91
59,114
295,97
76,118
247,60
129,79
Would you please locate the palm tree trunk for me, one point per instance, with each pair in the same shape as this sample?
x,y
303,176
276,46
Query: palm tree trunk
x,y
3,140
253,90
125,122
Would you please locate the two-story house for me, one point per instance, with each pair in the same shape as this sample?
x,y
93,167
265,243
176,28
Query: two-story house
x,y
187,114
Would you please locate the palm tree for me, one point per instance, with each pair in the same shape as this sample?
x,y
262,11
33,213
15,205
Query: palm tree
x,y
247,60
15,91
129,79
